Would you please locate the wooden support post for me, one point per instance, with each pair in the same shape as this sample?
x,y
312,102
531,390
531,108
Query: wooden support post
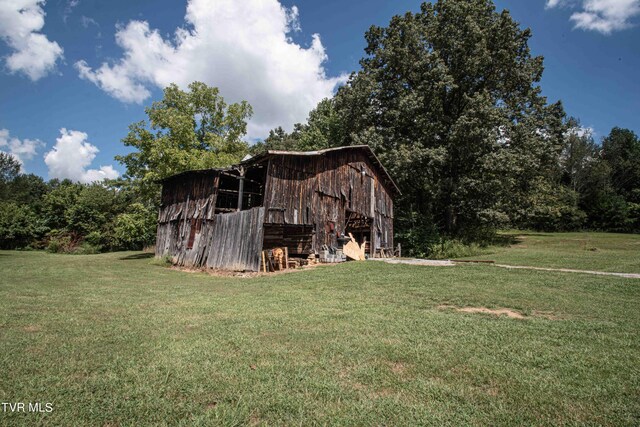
x,y
286,257
240,191
264,263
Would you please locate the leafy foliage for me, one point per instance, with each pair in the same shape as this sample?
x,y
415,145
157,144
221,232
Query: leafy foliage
x,y
192,129
9,167
135,228
19,226
449,99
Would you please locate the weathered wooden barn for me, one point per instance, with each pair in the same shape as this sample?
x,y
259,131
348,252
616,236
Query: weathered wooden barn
x,y
224,218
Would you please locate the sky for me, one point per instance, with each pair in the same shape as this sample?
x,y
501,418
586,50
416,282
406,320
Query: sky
x,y
74,74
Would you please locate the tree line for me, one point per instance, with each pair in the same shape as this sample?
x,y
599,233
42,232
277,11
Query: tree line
x,y
69,217
449,98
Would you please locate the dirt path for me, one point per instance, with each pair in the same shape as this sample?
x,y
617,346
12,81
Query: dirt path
x,y
570,270
416,261
448,263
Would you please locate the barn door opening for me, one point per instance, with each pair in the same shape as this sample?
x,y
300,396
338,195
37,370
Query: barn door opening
x,y
360,227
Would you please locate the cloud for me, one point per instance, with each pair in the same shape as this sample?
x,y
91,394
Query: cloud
x,y
554,3
20,149
581,131
68,9
34,54
604,16
87,21
70,157
242,47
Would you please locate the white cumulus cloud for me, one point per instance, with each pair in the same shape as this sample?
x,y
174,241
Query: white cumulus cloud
x,y
242,47
20,149
33,53
554,3
604,16
72,155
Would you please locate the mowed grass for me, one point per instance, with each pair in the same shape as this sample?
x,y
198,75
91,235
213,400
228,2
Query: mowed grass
x,y
114,340
583,251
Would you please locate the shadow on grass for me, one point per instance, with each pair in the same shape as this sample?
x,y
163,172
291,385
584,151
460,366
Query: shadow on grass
x,y
137,256
504,240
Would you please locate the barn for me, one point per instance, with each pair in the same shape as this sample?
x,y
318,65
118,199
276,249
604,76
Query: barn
x,y
301,201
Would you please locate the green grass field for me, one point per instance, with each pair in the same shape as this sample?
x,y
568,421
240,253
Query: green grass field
x,y
113,340
584,251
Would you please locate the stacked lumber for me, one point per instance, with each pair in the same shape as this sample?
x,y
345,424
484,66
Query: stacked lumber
x,y
297,238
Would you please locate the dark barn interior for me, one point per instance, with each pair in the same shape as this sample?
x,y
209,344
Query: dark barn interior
x,y
301,201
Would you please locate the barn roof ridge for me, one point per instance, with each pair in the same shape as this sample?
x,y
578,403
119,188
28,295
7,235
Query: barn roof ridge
x,y
372,156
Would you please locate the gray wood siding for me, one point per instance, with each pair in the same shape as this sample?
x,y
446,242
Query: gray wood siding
x,y
236,241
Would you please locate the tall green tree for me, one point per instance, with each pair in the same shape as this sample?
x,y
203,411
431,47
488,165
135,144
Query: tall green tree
x,y
9,169
449,97
324,127
191,129
278,139
62,196
20,226
28,189
135,228
621,150
579,156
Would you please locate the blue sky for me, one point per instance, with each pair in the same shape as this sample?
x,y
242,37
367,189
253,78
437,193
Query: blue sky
x,y
76,73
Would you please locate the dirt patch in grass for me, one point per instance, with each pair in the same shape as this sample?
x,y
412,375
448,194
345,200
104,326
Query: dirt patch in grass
x,y
498,312
32,328
397,368
254,419
513,314
382,393
484,310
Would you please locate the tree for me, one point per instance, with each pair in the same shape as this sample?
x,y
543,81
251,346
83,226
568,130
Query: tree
x,y
192,129
621,150
61,196
324,127
579,156
135,228
449,99
93,211
27,189
19,226
9,169
278,139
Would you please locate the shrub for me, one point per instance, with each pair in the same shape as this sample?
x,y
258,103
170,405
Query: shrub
x,y
86,248
59,243
453,248
163,261
135,228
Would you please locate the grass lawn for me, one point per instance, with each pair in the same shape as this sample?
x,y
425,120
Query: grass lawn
x,y
113,339
583,251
